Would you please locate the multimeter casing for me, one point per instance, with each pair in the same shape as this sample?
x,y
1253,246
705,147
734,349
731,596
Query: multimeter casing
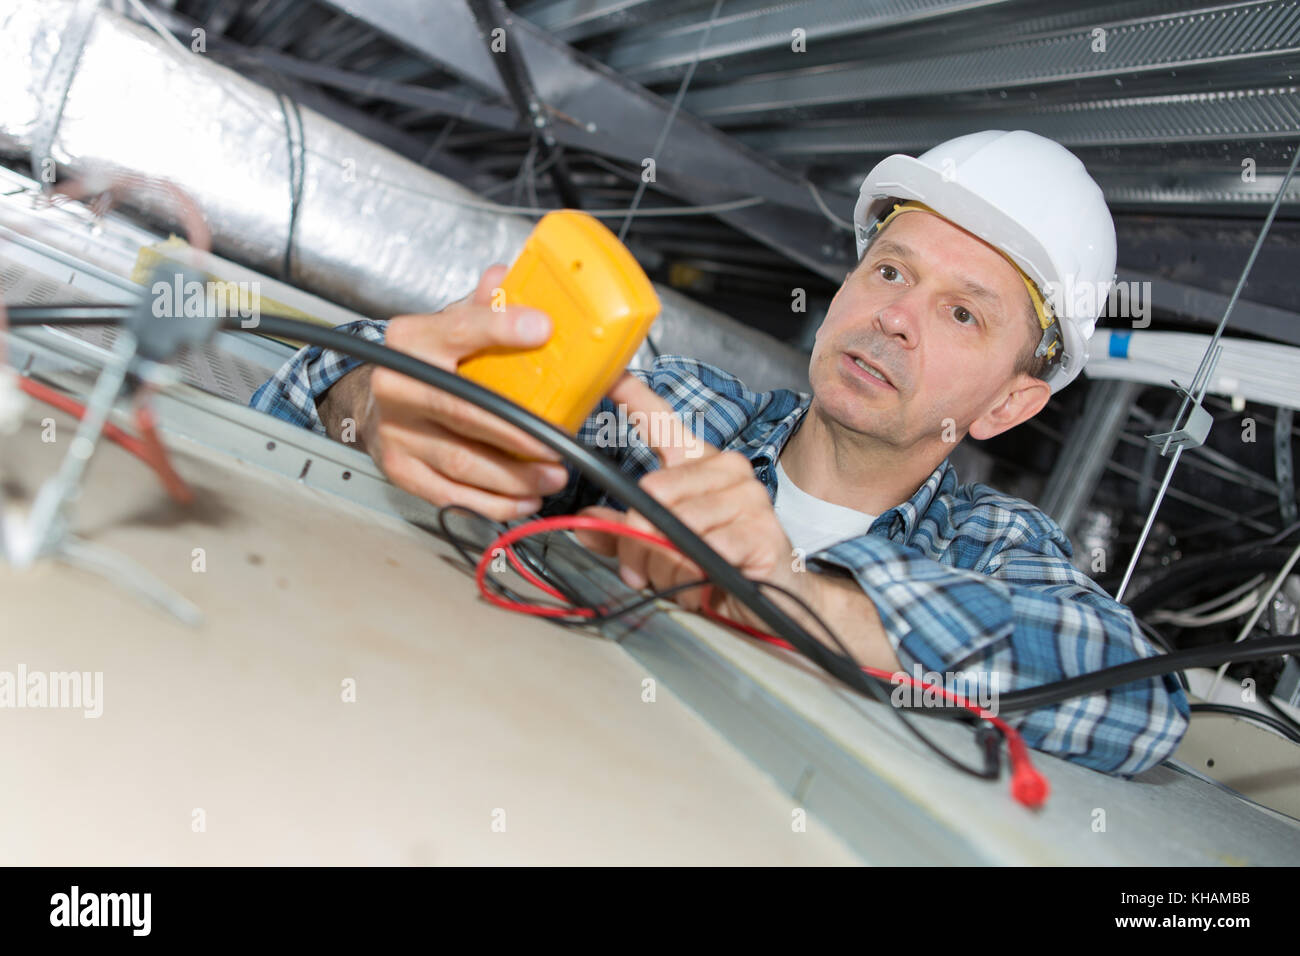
x,y
601,306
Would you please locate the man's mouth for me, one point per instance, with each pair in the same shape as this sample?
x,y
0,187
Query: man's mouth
x,y
871,371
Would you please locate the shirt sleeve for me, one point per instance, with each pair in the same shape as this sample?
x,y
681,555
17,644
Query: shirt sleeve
x,y
292,392
1027,618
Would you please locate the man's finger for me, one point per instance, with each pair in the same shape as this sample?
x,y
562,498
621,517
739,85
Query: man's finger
x,y
724,481
658,423
488,283
470,462
405,401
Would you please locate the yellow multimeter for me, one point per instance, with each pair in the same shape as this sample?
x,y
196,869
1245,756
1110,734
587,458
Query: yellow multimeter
x,y
601,306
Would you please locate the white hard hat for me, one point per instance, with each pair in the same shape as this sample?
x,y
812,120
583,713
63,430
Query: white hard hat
x,y
1032,200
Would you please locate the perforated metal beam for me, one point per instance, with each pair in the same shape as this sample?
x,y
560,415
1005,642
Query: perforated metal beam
x,y
1267,31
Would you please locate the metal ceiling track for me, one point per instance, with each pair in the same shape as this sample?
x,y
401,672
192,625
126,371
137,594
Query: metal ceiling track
x,y
1253,31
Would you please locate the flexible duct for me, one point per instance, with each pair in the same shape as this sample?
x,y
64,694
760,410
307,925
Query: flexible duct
x,y
374,231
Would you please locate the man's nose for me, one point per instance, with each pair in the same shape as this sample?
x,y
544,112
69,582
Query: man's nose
x,y
898,319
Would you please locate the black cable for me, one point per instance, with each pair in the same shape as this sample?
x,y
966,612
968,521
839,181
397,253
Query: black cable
x,y
1281,714
1158,639
1206,572
500,587
1164,644
620,486
1247,714
988,749
991,765
1282,535
1209,655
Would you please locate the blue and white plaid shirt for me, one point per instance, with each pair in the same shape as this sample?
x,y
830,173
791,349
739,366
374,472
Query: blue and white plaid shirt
x,y
965,579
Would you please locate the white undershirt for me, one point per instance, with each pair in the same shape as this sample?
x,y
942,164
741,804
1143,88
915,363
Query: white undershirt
x,y
811,523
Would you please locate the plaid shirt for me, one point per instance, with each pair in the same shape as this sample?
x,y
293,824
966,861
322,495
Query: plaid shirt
x,y
967,581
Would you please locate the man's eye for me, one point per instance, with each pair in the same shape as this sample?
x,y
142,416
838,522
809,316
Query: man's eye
x,y
887,272
962,315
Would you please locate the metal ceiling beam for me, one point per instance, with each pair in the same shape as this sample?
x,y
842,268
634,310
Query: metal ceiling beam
x,y
1250,114
407,94
1216,191
1206,307
618,118
491,15
771,28
1175,41
573,20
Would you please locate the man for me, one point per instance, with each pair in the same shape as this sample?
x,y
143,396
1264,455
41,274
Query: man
x,y
962,317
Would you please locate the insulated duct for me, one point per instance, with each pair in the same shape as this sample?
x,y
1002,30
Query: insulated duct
x,y
94,92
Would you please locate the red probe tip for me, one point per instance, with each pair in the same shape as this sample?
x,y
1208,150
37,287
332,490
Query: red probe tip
x,y
1029,786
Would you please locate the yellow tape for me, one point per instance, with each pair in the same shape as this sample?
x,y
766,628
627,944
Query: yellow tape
x,y
1041,307
172,250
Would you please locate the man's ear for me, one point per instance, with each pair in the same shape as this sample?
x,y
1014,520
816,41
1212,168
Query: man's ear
x,y
1022,401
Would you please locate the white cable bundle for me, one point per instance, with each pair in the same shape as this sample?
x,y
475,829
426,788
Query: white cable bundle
x,y
1259,371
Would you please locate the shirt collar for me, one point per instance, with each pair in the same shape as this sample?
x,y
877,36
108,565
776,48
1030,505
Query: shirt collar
x,y
764,448
898,522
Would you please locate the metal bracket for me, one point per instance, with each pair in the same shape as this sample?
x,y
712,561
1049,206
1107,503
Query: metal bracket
x,y
1194,430
72,40
147,341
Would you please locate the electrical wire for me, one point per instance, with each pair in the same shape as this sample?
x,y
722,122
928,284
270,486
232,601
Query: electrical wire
x,y
1282,714
148,447
1267,720
1282,535
621,487
1264,602
1204,573
1165,645
581,615
1028,786
672,115
1195,391
826,210
1188,619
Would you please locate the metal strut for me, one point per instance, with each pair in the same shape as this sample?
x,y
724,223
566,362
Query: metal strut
x,y
514,76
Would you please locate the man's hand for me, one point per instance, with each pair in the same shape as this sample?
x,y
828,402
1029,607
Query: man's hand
x,y
434,445
713,493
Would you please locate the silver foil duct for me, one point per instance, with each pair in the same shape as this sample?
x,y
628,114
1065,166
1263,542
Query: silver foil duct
x,y
374,231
